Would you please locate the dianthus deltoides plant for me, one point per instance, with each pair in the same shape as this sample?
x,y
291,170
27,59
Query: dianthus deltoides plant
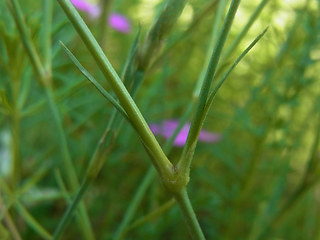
x,y
244,207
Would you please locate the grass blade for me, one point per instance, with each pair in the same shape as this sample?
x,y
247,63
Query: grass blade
x,y
159,30
161,162
196,124
235,63
148,178
16,12
152,215
246,28
94,81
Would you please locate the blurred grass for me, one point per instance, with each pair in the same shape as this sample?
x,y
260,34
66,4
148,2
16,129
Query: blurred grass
x,y
267,113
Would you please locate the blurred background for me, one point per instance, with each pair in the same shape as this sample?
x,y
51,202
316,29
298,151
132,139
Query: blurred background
x,y
259,181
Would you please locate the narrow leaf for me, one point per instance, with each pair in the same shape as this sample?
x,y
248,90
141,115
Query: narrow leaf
x,y
244,53
246,28
118,87
188,151
93,81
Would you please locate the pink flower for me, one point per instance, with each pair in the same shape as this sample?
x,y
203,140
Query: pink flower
x,y
93,10
115,20
167,128
119,22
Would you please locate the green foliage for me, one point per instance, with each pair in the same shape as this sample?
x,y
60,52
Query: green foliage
x,y
74,166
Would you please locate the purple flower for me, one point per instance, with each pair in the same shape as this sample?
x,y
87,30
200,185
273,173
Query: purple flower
x,y
119,23
115,20
167,128
93,10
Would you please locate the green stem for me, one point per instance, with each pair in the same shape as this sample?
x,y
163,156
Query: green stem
x,y
196,124
34,179
96,162
69,168
214,34
103,21
135,203
235,63
16,167
159,30
26,38
173,11
154,214
206,10
46,35
44,77
82,217
160,160
29,219
32,222
149,177
69,213
246,28
8,220
95,165
184,203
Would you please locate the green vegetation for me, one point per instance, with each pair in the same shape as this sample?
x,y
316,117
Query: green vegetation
x,y
94,102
